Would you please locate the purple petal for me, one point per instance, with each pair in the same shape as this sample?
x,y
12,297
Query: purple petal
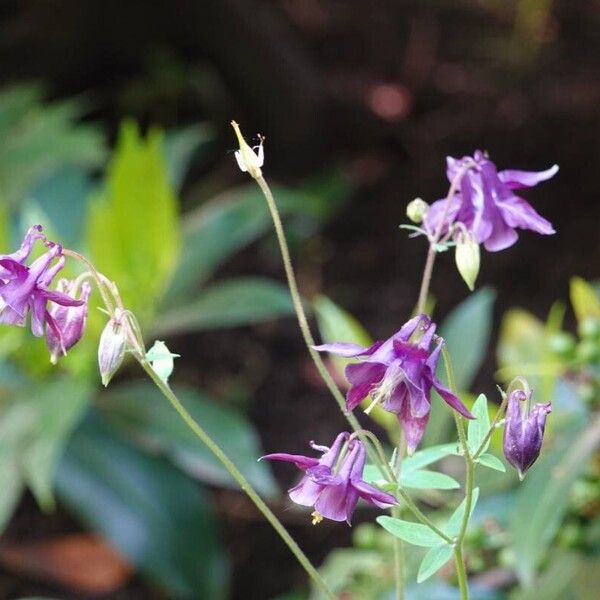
x,y
306,492
60,298
502,237
436,212
302,462
332,502
322,475
373,495
413,427
365,372
515,179
450,398
356,394
342,349
517,212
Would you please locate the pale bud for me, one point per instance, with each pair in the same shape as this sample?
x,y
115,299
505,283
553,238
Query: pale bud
x,y
467,257
416,210
112,346
249,159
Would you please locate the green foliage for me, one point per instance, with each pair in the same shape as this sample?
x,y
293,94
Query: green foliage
x,y
413,533
133,230
154,515
434,560
584,299
478,427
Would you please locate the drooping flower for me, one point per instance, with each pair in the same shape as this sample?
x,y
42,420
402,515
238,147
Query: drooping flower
x,y
250,159
26,287
9,263
399,374
333,483
112,346
487,204
65,324
524,430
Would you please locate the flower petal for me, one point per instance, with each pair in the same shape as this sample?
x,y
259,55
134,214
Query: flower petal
x,y
517,212
450,398
343,349
515,179
302,462
373,495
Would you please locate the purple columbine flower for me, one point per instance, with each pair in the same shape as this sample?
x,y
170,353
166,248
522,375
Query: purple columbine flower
x,y
333,483
524,430
399,375
65,324
24,288
486,203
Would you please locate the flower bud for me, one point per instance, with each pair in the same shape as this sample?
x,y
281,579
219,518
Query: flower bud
x,y
112,346
467,257
249,159
416,210
524,430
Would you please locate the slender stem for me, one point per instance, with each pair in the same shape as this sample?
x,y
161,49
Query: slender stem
x,y
461,573
495,422
416,511
299,308
426,280
399,574
237,475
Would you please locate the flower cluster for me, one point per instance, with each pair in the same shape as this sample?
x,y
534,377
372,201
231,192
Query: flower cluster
x,y
333,483
486,204
399,373
24,291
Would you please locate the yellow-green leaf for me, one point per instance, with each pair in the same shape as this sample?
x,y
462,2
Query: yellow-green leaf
x,y
584,299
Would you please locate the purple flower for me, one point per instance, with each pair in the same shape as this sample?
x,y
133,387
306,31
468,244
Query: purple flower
x,y
333,484
399,374
65,324
24,288
524,430
486,203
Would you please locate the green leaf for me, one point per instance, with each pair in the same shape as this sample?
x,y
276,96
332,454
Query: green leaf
x,y
492,462
454,523
428,456
161,360
230,303
141,413
467,331
478,427
544,496
413,533
423,479
434,560
157,517
584,299
133,229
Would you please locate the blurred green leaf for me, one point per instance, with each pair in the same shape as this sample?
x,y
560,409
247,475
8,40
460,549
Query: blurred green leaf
x,y
440,590
413,533
133,230
140,412
37,139
467,330
453,525
492,462
544,495
427,456
478,427
151,512
584,299
432,480
229,303
434,560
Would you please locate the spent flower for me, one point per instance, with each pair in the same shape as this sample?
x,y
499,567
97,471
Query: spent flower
x,y
524,430
333,483
486,203
250,159
399,374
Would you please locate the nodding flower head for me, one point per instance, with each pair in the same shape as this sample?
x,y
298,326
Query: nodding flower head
x,y
65,324
398,373
333,483
112,346
250,159
486,204
524,430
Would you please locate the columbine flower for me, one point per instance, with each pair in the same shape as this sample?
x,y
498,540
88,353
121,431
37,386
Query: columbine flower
x,y
112,346
250,159
333,484
26,287
398,374
10,263
486,203
524,430
65,324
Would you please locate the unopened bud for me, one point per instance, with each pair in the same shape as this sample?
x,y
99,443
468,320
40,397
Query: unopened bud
x,y
416,210
467,257
249,159
112,346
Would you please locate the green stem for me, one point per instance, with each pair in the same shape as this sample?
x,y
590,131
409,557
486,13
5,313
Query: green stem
x,y
399,574
237,475
461,573
426,280
495,422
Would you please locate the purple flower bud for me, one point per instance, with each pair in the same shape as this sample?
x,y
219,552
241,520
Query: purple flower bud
x,y
524,430
112,346
333,484
65,324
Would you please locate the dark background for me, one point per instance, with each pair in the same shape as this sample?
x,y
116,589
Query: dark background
x,y
383,90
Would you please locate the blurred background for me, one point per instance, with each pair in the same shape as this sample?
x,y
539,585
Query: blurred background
x,y
114,133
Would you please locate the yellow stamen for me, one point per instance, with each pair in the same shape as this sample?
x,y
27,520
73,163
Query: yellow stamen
x,y
317,517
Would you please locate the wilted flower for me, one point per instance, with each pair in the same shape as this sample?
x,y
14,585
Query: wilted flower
x,y
333,484
24,288
524,430
65,324
399,374
486,203
250,159
112,346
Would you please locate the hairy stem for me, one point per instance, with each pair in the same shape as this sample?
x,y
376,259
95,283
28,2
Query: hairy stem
x,y
241,480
